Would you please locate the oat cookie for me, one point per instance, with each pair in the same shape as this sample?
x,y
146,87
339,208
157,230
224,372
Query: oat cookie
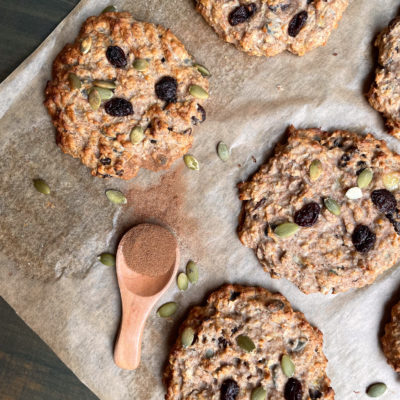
x,y
384,94
120,96
323,212
220,362
269,27
391,339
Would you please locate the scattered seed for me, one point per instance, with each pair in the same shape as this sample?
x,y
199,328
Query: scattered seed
x,y
259,393
245,343
74,81
86,45
391,181
105,94
167,309
116,197
192,272
286,229
198,92
107,259
202,69
140,64
109,9
187,337
223,151
332,206
182,281
137,135
287,366
191,162
41,186
354,193
94,99
104,84
376,390
315,170
365,178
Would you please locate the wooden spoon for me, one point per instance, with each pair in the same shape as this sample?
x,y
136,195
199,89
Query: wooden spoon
x,y
139,289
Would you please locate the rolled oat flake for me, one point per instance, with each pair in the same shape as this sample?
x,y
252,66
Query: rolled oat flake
x,y
376,390
354,193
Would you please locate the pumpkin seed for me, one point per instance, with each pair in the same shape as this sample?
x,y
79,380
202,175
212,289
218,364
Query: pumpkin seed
x,y
332,206
104,84
202,69
259,393
191,162
376,390
365,178
223,151
301,343
86,45
182,281
109,9
116,197
245,343
105,94
198,92
187,337
287,366
137,135
354,193
94,99
192,272
74,81
140,64
391,181
209,353
315,170
167,309
286,229
41,186
107,259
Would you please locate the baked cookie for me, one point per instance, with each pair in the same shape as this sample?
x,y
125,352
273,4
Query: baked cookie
x,y
234,346
268,27
323,211
384,94
391,339
125,95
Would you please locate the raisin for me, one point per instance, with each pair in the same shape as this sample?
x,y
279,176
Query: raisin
x,y
293,390
297,23
307,215
118,107
242,14
394,218
203,115
116,56
106,161
315,394
166,89
363,239
229,390
384,201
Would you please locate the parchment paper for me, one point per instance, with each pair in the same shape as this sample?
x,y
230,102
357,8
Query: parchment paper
x,y
252,102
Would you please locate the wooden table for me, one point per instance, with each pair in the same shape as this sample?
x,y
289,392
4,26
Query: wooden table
x,y
29,370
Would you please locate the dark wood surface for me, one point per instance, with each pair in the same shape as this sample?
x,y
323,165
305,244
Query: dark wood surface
x,y
29,370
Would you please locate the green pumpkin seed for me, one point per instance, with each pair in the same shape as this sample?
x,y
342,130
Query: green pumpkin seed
x,y
94,99
332,206
259,393
86,45
167,309
104,84
137,135
105,94
365,178
245,343
140,64
376,390
192,272
187,337
391,181
286,229
354,193
41,186
182,281
109,9
198,92
191,162
209,353
107,259
74,81
315,170
116,196
287,366
223,151
202,69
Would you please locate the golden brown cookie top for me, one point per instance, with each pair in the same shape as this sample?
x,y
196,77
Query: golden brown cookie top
x,y
391,339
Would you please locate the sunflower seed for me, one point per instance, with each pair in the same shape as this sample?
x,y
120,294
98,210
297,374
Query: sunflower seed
x,y
301,343
107,259
245,343
86,45
391,181
354,193
109,9
167,309
182,281
74,81
287,366
286,229
192,272
198,92
191,162
187,337
105,94
376,390
116,196
259,393
94,99
41,186
202,69
104,84
332,206
223,151
315,170
140,64
365,178
137,135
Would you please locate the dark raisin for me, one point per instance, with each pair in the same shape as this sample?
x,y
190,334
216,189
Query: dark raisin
x,y
163,60
222,343
297,23
363,239
106,161
293,390
384,201
395,221
307,215
118,107
315,394
234,296
203,115
242,13
153,141
229,390
166,89
116,56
